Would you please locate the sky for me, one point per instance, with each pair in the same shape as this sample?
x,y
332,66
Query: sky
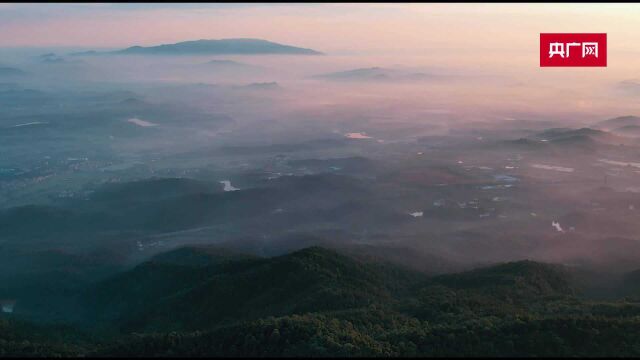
x,y
496,39
500,35
328,27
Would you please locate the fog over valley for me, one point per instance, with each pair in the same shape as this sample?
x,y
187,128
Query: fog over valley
x,y
218,187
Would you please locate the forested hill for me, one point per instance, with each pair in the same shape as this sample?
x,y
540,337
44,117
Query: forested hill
x,y
208,301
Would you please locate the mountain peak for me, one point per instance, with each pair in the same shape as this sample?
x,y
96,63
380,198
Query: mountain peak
x,y
239,46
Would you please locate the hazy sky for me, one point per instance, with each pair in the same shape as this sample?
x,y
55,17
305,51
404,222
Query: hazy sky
x,y
497,34
492,39
328,27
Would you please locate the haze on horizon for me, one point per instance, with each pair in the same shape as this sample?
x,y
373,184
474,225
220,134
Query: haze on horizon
x,y
493,41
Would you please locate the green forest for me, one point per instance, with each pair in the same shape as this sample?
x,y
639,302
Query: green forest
x,y
204,301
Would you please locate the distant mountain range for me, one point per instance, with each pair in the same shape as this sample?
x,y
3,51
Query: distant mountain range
x,y
628,126
568,139
377,74
262,86
9,71
567,134
50,58
212,47
618,122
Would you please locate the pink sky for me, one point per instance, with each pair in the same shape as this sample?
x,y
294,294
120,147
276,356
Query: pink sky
x,y
498,39
328,27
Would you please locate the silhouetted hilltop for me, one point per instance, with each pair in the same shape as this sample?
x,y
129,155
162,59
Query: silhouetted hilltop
x,y
618,122
11,72
221,47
